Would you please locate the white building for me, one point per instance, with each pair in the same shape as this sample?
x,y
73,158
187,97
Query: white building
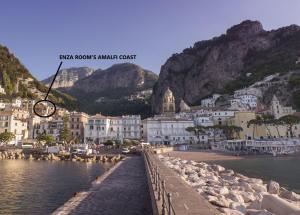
x,y
2,90
52,127
17,126
246,101
102,128
277,110
221,117
211,101
17,102
247,91
204,121
169,131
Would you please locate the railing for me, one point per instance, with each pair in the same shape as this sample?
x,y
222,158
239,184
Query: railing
x,y
163,197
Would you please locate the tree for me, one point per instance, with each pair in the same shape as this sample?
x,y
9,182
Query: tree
x,y
228,130
65,133
254,122
46,138
290,121
109,143
231,130
197,130
6,137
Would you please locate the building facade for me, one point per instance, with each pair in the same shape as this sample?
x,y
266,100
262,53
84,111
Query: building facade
x,y
167,131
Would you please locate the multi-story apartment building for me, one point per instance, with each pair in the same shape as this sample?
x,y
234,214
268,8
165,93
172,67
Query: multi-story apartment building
x,y
102,128
51,127
77,122
168,131
11,123
222,116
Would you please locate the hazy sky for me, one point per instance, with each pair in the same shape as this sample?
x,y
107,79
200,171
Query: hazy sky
x,y
37,31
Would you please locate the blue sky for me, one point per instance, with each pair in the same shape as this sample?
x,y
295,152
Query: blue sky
x,y
37,31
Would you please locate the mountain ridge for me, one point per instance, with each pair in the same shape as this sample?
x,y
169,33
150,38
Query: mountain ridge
x,y
244,54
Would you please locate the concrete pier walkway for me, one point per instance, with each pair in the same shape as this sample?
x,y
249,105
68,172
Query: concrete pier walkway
x,y
185,200
124,191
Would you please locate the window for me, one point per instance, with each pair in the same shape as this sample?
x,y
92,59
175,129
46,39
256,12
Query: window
x,y
91,127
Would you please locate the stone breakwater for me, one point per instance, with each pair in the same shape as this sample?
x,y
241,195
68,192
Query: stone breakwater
x,y
14,155
233,193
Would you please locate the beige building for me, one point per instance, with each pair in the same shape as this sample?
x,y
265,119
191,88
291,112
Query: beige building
x,y
77,123
277,110
241,119
264,131
168,103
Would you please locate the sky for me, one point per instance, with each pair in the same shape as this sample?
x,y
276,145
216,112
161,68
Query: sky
x,y
38,31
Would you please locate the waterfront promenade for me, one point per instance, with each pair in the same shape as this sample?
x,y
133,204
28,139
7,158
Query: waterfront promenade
x,y
123,191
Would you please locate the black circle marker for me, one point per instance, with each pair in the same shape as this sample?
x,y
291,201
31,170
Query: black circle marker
x,y
49,114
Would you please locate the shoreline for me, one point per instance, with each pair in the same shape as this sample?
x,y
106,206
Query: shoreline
x,y
210,156
19,155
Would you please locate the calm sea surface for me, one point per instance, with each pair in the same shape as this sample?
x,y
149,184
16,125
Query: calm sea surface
x,y
285,170
39,187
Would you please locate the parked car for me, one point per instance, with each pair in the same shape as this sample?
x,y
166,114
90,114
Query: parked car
x,y
125,151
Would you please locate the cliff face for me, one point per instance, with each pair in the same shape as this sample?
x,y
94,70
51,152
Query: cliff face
x,y
121,89
245,54
118,76
67,77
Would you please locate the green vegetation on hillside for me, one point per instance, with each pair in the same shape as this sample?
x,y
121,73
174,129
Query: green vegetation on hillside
x,y
280,59
12,76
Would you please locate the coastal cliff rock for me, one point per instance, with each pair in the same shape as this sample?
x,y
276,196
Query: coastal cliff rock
x,y
125,75
68,77
121,89
242,56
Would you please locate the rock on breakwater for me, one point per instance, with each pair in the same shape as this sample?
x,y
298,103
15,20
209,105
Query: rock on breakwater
x,y
234,193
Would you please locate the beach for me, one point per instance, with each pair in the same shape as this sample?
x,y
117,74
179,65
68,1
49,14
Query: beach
x,y
202,155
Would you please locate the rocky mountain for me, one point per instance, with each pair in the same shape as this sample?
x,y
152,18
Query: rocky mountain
x,y
245,54
68,77
17,81
121,89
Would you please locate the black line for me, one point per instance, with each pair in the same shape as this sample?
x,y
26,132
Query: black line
x,y
53,80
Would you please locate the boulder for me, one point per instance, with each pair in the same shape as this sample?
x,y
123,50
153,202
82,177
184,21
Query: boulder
x,y
193,178
247,196
279,206
223,191
228,211
238,206
245,186
234,196
220,202
273,187
256,205
259,187
254,181
258,212
217,168
289,195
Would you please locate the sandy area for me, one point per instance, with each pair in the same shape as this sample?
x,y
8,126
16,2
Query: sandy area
x,y
202,155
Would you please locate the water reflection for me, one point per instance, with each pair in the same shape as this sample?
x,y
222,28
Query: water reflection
x,y
39,187
284,170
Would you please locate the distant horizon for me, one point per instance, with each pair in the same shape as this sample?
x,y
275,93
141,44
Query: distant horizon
x,y
38,32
